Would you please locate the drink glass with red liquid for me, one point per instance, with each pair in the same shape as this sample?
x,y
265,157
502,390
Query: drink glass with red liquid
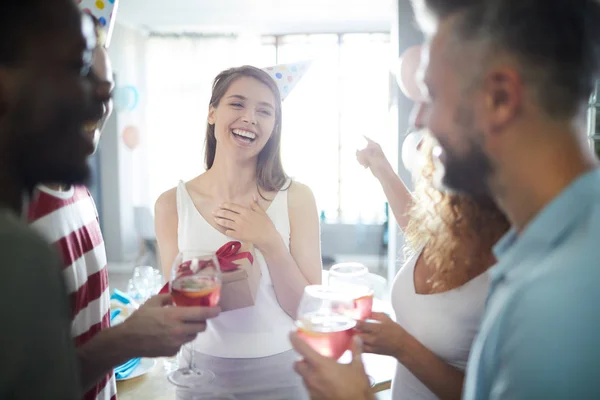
x,y
195,282
353,278
323,321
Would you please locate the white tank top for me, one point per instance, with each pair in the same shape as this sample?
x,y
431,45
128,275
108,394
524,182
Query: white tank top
x,y
257,331
446,323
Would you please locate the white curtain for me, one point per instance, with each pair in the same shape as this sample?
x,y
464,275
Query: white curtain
x,y
344,95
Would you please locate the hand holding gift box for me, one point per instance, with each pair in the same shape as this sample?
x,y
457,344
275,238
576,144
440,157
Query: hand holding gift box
x,y
240,276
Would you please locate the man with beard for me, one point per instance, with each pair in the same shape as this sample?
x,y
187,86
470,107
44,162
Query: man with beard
x,y
507,85
66,216
47,96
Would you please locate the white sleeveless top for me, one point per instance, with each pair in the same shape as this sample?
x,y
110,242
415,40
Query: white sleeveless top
x,y
446,323
257,331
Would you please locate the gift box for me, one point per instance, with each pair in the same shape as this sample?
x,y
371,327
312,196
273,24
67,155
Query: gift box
x,y
240,276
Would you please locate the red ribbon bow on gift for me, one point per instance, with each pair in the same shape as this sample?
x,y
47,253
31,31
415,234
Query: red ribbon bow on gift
x,y
227,254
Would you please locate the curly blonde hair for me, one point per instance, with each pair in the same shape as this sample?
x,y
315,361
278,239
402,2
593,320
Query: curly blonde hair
x,y
455,231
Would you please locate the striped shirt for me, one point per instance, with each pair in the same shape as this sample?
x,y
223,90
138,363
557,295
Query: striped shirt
x,y
69,221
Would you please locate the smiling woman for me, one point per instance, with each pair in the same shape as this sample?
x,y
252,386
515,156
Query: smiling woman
x,y
246,196
266,115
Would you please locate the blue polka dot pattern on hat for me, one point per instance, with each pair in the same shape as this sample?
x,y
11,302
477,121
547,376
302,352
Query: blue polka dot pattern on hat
x,y
102,21
278,75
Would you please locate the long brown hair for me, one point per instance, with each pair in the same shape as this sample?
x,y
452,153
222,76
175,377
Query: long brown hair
x,y
270,175
455,231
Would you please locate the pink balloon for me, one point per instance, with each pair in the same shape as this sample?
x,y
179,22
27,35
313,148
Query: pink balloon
x,y
407,74
131,137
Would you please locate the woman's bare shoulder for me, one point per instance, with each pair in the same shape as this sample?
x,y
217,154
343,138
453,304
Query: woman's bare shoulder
x,y
166,202
300,196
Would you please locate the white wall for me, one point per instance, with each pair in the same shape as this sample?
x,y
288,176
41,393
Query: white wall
x,y
119,165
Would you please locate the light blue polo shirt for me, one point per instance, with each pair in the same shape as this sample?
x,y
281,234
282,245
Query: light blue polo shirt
x,y
540,334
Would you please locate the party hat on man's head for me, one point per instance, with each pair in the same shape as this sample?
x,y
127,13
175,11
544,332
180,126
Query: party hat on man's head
x,y
287,75
105,11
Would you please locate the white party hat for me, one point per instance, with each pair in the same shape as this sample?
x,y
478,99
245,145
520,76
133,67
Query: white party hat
x,y
105,11
287,76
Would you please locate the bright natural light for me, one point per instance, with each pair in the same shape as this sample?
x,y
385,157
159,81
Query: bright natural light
x,y
343,96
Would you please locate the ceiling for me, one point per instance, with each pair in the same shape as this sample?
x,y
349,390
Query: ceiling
x,y
259,16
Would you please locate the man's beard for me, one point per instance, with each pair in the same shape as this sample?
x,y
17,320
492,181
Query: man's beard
x,y
467,173
65,174
46,138
49,161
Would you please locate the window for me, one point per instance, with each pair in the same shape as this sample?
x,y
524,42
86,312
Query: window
x,y
343,96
